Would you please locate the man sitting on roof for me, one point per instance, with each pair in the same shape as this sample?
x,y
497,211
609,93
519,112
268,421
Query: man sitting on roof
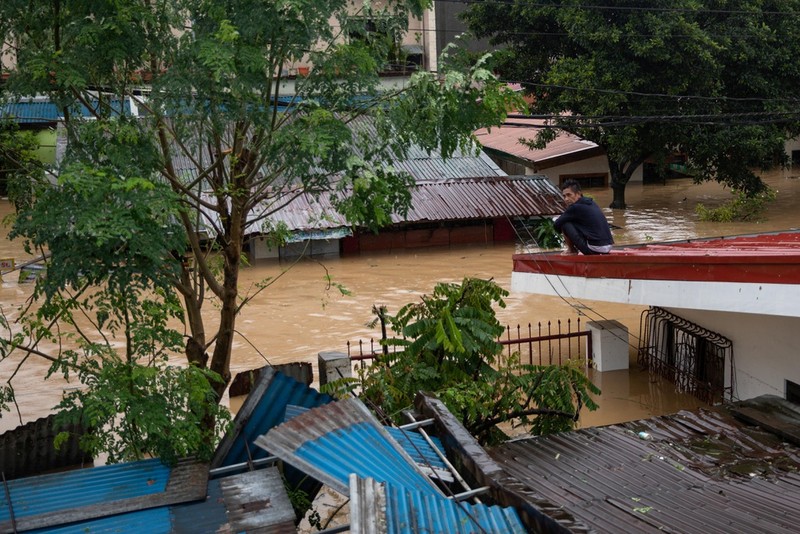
x,y
584,226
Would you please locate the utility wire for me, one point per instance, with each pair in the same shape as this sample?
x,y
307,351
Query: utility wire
x,y
639,9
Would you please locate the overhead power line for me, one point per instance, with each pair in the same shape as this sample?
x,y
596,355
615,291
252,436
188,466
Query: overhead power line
x,y
639,9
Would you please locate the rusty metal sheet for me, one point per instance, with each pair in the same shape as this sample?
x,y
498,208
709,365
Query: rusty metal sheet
x,y
28,449
692,472
257,502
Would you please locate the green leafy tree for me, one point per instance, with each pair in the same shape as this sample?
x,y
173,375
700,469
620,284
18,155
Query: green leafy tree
x,y
111,314
226,131
448,346
20,169
716,81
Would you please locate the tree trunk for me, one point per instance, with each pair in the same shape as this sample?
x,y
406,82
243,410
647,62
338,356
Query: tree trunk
x,y
618,201
618,182
223,344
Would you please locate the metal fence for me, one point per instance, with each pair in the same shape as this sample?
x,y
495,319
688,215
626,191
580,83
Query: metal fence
x,y
693,358
550,343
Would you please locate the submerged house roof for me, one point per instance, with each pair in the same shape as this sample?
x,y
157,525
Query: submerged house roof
x,y
754,274
505,140
44,112
455,199
691,472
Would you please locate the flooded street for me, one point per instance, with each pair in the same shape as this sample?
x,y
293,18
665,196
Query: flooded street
x,y
298,316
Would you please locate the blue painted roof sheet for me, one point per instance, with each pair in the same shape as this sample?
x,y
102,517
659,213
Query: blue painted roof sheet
x,y
419,449
83,487
400,511
411,512
337,439
154,521
411,441
264,409
45,112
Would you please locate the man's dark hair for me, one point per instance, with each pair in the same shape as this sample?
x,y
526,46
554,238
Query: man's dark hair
x,y
571,184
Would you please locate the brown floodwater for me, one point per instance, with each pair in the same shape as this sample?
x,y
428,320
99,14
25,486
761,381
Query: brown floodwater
x,y
299,315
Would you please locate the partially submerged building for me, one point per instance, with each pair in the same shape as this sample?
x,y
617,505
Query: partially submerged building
x,y
724,311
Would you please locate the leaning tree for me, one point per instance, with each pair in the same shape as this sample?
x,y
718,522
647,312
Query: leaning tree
x,y
157,204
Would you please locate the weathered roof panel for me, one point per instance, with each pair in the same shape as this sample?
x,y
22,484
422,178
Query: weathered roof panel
x,y
28,449
483,198
380,507
689,472
449,200
337,439
263,409
83,494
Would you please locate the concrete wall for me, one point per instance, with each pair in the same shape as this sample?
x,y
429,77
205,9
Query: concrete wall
x,y
766,349
593,165
327,248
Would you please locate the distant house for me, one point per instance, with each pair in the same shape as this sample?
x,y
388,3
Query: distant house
x,y
447,212
42,116
567,157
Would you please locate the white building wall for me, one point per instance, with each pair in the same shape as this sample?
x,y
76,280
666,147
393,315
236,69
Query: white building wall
x,y
766,349
593,165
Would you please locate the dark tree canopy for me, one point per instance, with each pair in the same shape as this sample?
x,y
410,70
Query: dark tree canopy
x,y
718,81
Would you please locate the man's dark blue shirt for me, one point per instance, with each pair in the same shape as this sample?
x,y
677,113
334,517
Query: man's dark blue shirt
x,y
587,218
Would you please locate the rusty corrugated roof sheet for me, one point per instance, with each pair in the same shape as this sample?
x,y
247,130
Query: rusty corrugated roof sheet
x,y
447,200
28,449
690,472
483,198
506,139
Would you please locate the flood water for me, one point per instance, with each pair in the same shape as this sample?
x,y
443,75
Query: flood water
x,y
298,315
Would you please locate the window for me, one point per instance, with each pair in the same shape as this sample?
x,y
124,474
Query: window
x,y
597,179
792,392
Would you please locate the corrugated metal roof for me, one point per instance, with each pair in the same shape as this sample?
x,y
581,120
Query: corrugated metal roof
x,y
460,165
249,502
417,448
690,472
449,200
28,449
263,409
506,139
45,112
483,198
154,521
79,495
343,437
378,507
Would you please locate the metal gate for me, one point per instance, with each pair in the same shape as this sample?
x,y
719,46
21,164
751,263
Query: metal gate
x,y
698,361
